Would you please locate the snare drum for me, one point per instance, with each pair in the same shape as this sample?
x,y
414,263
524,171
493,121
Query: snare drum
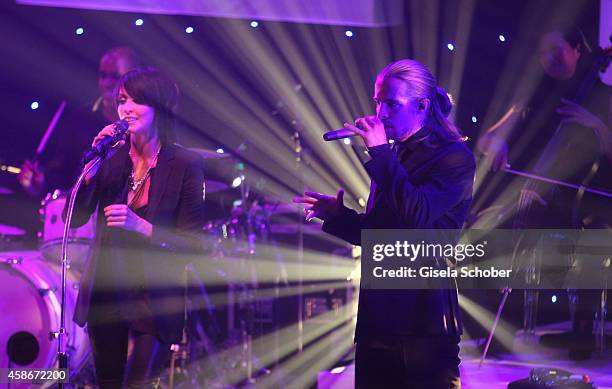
x,y
80,240
30,299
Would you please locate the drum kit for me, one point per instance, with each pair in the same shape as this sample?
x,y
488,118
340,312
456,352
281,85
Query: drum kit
x,y
30,286
252,228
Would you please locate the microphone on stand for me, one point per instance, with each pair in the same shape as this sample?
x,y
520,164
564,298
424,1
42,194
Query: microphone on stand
x,y
338,134
104,146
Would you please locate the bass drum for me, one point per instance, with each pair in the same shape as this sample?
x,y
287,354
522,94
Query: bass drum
x,y
80,240
30,299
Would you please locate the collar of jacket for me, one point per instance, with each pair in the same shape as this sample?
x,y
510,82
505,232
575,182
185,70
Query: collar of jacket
x,y
415,140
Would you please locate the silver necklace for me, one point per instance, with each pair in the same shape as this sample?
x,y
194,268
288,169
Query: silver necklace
x,y
136,183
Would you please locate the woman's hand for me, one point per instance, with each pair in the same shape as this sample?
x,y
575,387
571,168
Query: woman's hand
x,y
320,205
496,150
371,130
575,113
121,216
104,133
529,197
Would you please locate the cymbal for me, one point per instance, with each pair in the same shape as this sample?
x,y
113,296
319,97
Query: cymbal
x,y
293,228
5,191
213,186
11,231
210,154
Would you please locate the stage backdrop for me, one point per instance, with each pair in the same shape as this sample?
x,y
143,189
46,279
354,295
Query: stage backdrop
x,y
365,13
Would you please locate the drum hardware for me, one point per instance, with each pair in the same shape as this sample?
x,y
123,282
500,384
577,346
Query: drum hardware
x,y
6,230
14,260
80,240
45,291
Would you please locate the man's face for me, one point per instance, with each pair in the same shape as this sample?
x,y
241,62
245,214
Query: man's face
x,y
112,67
557,57
399,113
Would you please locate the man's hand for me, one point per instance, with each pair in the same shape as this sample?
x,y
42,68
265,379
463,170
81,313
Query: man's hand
x,y
371,130
31,178
121,216
320,205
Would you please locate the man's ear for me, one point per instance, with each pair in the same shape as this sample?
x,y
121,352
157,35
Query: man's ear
x,y
424,104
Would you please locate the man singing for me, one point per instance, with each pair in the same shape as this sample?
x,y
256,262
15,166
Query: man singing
x,y
406,338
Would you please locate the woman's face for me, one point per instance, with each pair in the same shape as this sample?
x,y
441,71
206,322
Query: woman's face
x,y
557,57
140,117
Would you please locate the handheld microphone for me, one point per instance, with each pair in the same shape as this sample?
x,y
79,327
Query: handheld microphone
x,y
338,134
104,146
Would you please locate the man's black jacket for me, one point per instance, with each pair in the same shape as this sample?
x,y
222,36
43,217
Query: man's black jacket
x,y
422,183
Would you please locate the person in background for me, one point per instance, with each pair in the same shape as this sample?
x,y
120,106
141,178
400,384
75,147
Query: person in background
x,y
564,132
60,163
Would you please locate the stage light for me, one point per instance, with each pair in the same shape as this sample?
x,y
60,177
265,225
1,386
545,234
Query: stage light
x,y
474,119
391,141
220,150
450,46
348,33
79,31
502,38
347,141
237,181
362,202
254,24
189,30
34,105
139,22
338,370
553,298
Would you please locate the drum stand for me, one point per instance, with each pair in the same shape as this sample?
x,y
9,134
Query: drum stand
x,y
300,249
62,356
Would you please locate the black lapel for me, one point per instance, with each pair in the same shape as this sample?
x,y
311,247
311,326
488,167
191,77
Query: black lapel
x,y
159,178
119,168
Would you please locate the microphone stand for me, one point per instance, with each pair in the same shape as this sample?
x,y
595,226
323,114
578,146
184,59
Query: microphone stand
x,y
300,235
62,356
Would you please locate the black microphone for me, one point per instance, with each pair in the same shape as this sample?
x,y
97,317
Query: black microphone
x,y
338,134
104,146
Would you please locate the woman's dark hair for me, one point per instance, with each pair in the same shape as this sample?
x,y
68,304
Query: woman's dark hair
x,y
571,33
149,86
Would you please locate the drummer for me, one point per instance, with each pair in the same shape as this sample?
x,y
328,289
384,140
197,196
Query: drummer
x,y
60,161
